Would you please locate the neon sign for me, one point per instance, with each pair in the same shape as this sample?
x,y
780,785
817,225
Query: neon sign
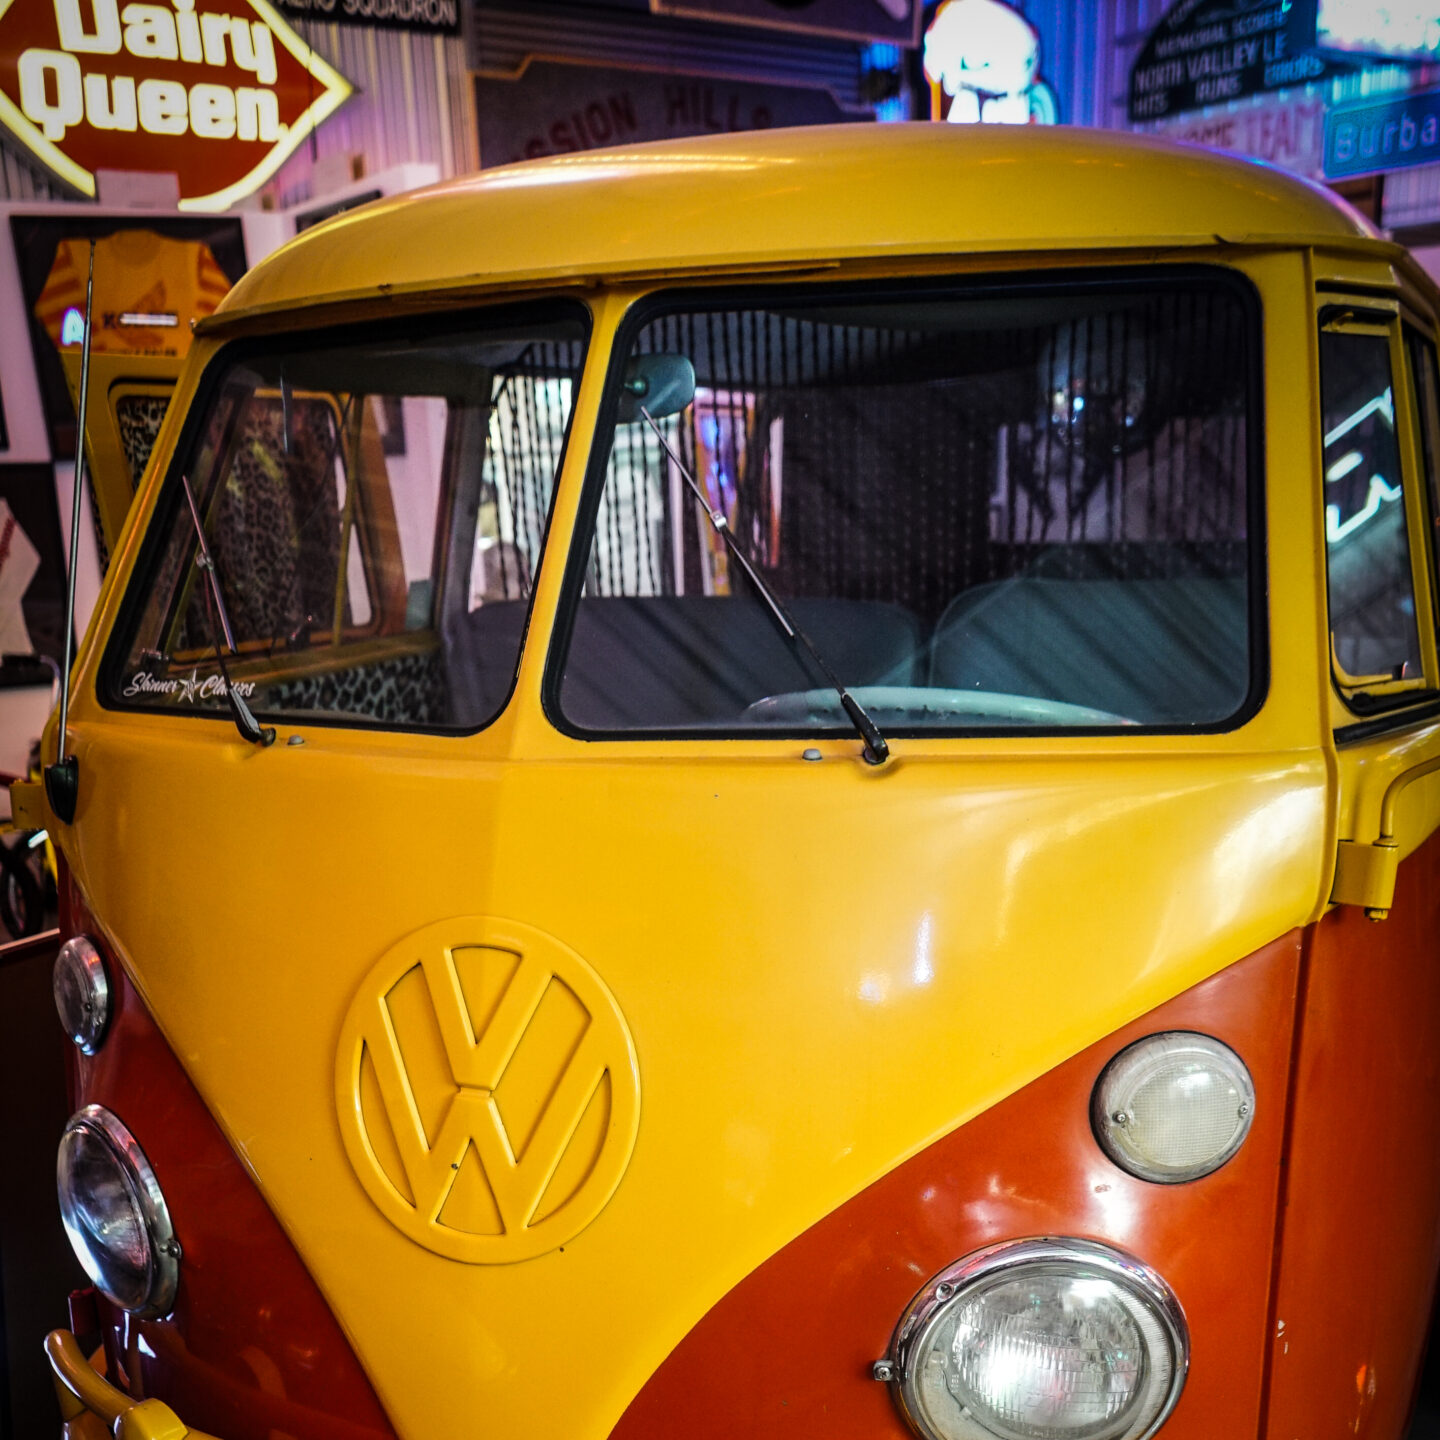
x,y
982,58
1378,494
218,92
1409,30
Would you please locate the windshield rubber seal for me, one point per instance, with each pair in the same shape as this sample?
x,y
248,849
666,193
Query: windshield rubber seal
x,y
422,324
1067,281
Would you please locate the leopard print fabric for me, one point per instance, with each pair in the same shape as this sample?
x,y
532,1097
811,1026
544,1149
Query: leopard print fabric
x,y
406,690
276,535
138,418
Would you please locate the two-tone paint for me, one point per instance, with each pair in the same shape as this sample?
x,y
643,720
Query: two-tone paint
x,y
871,1049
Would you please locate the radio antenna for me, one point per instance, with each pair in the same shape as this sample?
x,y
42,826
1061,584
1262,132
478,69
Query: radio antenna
x,y
62,779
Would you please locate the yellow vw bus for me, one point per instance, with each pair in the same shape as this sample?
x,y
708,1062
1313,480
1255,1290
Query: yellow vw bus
x,y
780,786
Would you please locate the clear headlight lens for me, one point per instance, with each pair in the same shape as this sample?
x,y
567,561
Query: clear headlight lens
x,y
82,992
116,1217
1041,1340
1173,1106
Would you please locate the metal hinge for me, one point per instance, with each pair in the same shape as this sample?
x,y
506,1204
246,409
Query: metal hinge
x,y
1365,874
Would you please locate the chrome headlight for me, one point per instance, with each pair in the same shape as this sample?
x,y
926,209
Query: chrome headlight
x,y
115,1215
1040,1340
82,992
1173,1106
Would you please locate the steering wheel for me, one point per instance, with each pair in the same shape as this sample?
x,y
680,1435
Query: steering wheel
x,y
796,707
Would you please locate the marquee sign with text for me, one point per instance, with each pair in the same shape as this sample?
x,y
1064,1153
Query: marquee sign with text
x,y
1210,52
428,17
554,108
216,92
889,22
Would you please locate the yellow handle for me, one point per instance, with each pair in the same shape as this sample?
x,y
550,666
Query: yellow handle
x,y
1392,795
80,1390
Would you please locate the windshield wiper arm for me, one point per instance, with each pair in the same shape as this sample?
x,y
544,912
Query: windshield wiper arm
x,y
249,727
877,750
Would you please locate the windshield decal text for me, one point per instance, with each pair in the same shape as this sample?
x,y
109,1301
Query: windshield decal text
x,y
184,689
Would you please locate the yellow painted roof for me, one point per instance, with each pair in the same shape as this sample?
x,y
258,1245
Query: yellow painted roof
x,y
780,196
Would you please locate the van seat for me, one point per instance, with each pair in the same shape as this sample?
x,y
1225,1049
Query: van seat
x,y
671,661
1155,651
482,650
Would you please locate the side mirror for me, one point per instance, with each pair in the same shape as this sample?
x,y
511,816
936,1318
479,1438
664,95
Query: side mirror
x,y
663,384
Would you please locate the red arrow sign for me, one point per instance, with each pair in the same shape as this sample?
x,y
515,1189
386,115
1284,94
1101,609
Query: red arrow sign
x,y
218,92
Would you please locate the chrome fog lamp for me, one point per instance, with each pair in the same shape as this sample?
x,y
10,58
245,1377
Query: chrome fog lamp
x,y
116,1217
1051,1339
1173,1106
82,992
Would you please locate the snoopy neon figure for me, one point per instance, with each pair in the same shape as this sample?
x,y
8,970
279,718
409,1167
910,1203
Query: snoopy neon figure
x,y
986,57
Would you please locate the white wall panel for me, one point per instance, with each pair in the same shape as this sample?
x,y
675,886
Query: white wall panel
x,y
411,106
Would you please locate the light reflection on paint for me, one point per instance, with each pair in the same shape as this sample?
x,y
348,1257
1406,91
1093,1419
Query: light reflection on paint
x,y
924,969
1114,1213
1238,856
566,170
875,987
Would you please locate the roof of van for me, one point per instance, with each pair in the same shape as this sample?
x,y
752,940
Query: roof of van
x,y
786,197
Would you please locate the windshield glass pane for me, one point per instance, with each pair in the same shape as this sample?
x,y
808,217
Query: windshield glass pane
x,y
987,510
375,509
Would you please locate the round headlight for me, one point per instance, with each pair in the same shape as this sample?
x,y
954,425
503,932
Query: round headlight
x,y
82,992
115,1215
1173,1106
1040,1340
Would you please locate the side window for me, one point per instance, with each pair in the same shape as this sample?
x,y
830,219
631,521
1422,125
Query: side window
x,y
1426,380
1375,644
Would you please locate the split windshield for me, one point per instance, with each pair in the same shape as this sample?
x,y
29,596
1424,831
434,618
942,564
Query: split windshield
x,y
998,507
988,509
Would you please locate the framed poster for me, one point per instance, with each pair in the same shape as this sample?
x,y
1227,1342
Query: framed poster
x,y
43,243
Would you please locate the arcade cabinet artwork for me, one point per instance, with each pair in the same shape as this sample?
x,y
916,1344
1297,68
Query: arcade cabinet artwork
x,y
982,59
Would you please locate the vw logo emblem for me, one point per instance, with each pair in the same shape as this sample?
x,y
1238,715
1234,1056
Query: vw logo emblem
x,y
488,1092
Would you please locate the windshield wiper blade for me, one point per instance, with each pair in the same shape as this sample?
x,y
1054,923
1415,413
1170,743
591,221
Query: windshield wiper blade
x,y
249,727
877,749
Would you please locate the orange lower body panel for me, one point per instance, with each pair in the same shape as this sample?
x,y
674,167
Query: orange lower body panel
x,y
1359,1240
251,1351
789,1350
